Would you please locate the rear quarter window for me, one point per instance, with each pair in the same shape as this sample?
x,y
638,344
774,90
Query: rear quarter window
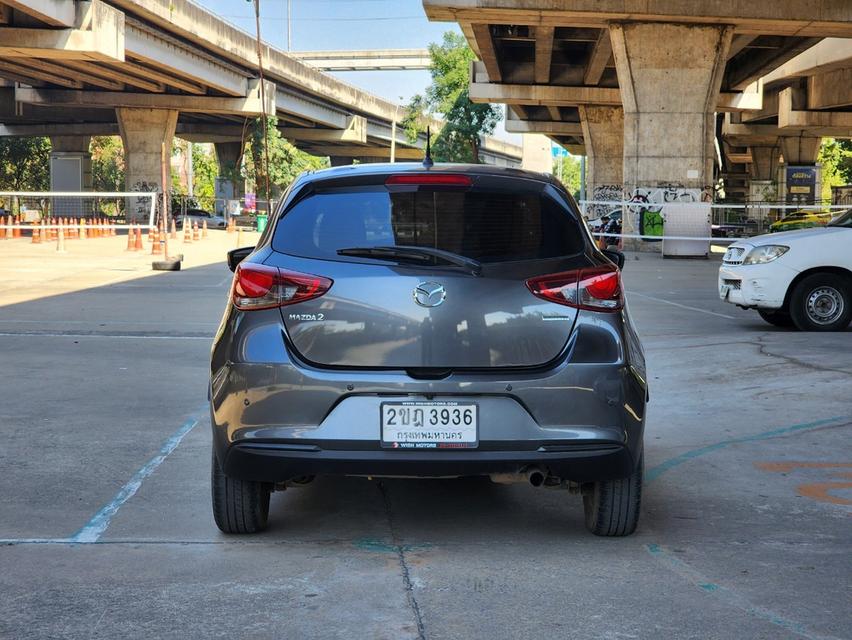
x,y
488,226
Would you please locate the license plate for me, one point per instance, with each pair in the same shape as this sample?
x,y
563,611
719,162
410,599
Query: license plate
x,y
428,424
724,290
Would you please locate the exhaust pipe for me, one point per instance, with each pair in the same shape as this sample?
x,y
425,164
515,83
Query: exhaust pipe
x,y
533,475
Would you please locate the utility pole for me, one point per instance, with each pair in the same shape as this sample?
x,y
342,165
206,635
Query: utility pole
x,y
263,102
190,170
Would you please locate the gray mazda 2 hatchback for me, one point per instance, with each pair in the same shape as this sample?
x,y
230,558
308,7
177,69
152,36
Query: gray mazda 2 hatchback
x,y
396,320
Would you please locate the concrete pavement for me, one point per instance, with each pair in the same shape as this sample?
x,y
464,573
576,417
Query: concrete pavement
x,y
744,534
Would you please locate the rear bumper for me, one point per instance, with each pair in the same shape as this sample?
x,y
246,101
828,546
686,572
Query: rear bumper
x,y
275,462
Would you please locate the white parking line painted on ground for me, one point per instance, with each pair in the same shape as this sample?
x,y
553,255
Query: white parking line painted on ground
x,y
95,527
682,306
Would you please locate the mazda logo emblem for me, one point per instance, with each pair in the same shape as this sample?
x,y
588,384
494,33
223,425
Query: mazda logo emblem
x,y
429,294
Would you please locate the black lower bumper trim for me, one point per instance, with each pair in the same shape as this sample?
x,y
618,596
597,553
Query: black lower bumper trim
x,y
278,463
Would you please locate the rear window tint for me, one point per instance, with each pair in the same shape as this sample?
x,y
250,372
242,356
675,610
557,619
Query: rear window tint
x,y
489,226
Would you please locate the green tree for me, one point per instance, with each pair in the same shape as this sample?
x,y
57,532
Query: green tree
x,y
447,96
108,167
835,156
570,174
286,162
205,169
25,164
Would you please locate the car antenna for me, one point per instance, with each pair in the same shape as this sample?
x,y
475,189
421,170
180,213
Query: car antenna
x,y
427,159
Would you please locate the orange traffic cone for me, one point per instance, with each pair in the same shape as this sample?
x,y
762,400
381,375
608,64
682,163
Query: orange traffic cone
x,y
204,229
195,236
187,233
173,234
2,228
156,248
36,235
112,231
82,228
7,233
60,239
131,237
16,233
137,246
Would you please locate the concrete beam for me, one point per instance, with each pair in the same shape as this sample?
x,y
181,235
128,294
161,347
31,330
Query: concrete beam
x,y
837,124
375,60
249,105
60,129
750,99
356,151
792,18
515,124
827,55
170,59
310,110
543,53
542,95
23,73
747,69
600,57
355,131
62,70
133,71
98,34
830,90
102,71
485,46
56,13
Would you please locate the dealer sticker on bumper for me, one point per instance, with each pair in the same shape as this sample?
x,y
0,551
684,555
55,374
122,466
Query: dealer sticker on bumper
x,y
430,425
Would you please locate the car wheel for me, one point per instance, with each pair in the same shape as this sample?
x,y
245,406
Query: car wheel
x,y
776,318
821,302
612,506
239,506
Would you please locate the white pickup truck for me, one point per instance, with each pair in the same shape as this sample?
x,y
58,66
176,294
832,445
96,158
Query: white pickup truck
x,y
794,278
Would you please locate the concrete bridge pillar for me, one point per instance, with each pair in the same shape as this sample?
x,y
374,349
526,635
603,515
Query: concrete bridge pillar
x,y
70,170
144,133
763,174
670,76
603,135
70,163
800,150
229,157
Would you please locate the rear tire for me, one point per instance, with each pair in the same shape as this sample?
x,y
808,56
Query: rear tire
x,y
239,506
776,318
821,302
612,506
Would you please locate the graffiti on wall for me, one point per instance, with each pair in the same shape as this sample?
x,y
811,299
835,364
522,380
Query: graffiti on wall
x,y
649,216
603,193
140,208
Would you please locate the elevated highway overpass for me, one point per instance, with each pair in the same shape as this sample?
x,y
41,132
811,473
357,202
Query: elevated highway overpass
x,y
152,69
640,87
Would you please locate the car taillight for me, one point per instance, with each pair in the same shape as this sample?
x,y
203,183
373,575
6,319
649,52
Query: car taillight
x,y
430,179
257,286
595,288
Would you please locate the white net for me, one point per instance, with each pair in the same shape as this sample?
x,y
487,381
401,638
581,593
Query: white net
x,y
684,219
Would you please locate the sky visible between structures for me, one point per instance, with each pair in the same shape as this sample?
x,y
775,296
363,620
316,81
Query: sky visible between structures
x,y
319,25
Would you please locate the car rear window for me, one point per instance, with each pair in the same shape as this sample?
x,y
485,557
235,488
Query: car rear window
x,y
489,226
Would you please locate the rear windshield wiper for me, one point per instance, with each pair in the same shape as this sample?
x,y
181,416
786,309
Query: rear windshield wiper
x,y
423,254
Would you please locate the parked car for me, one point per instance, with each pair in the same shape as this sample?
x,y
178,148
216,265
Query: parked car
x,y
800,220
455,321
200,216
597,224
794,278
